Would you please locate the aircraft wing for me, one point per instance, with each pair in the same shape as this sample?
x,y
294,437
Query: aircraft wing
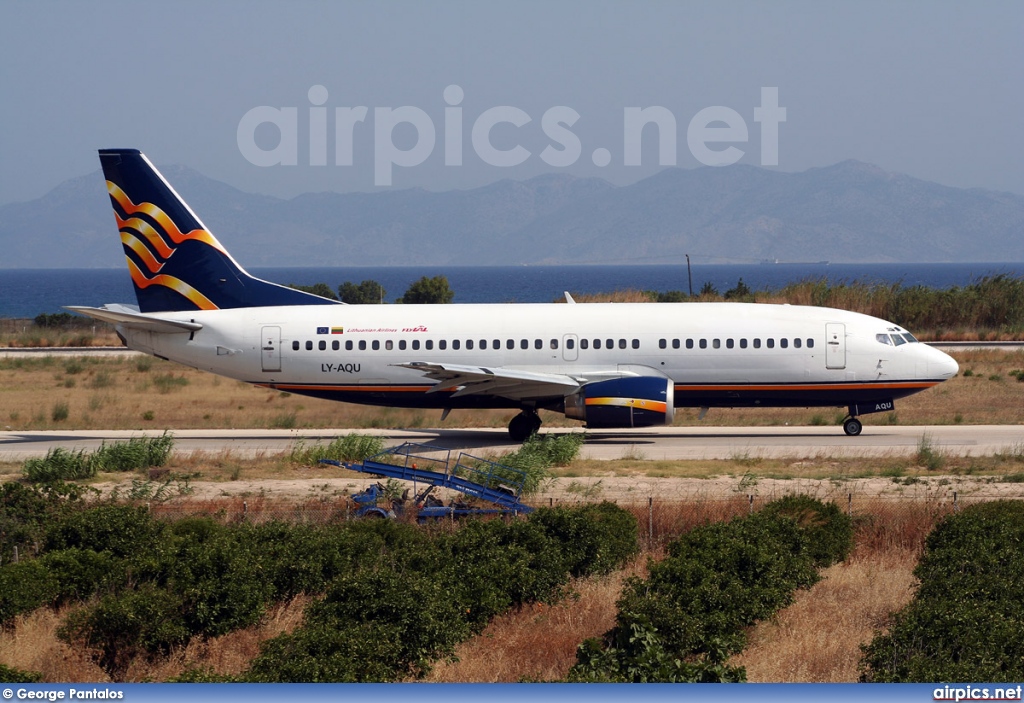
x,y
495,381
132,318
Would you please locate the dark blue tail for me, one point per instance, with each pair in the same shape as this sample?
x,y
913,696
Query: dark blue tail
x,y
174,261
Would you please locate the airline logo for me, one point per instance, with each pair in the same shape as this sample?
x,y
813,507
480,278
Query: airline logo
x,y
152,236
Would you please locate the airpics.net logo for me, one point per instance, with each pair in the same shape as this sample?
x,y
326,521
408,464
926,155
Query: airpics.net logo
x,y
711,134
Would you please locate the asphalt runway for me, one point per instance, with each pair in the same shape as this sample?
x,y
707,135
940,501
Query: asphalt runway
x,y
663,443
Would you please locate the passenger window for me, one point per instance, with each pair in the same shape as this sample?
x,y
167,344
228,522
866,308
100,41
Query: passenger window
x,y
362,345
770,343
662,344
401,344
810,343
689,344
716,343
584,343
784,343
335,345
609,344
757,342
309,345
389,345
554,344
622,344
538,344
497,344
796,342
636,343
703,344
322,345
429,344
524,344
295,345
415,344
469,344
675,343
597,344
510,344
348,345
375,345
456,343
570,343
483,343
442,344
743,343
728,344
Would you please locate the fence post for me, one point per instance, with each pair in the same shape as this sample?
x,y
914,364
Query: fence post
x,y
954,502
15,554
849,504
650,519
750,498
245,509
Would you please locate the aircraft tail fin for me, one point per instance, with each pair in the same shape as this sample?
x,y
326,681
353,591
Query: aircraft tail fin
x,y
174,260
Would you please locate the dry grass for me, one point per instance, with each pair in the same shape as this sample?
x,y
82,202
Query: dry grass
x,y
146,393
539,641
818,638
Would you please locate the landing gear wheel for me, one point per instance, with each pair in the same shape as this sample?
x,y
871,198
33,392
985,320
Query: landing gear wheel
x,y
523,425
852,426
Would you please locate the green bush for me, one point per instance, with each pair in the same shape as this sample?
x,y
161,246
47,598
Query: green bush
x,y
11,675
828,529
146,621
119,529
25,586
137,453
596,539
352,447
59,464
690,614
966,622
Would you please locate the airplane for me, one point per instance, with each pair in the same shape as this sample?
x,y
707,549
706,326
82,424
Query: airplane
x,y
609,365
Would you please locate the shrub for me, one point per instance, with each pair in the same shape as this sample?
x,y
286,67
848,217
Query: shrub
x,y
137,453
595,539
828,529
119,529
966,622
11,675
351,447
59,412
25,586
59,464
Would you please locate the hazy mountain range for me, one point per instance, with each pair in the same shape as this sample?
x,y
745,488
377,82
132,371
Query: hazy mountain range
x,y
849,212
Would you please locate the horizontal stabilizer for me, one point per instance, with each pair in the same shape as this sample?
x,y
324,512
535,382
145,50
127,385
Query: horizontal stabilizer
x,y
129,317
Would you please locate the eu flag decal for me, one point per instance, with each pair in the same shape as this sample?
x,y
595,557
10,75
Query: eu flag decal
x,y
322,330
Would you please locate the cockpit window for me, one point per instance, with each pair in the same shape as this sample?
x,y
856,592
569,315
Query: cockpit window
x,y
897,339
883,338
909,337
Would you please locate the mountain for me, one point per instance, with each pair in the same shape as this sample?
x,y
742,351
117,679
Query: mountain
x,y
848,212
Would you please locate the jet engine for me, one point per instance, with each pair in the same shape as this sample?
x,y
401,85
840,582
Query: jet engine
x,y
634,401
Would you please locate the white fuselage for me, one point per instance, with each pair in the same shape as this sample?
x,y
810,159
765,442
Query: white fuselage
x,y
716,354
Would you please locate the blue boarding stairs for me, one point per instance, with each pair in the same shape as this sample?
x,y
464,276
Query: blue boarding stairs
x,y
427,464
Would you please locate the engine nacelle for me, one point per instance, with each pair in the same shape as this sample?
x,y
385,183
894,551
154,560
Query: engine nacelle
x,y
636,401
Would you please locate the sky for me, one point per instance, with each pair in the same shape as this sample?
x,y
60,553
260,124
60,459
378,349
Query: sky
x,y
285,98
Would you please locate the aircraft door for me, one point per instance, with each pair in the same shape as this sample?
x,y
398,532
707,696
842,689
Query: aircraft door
x,y
835,345
570,347
270,343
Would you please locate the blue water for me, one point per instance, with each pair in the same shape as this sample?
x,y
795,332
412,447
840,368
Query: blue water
x,y
28,292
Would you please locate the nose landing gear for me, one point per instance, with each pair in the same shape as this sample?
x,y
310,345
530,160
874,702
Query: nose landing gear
x,y
852,426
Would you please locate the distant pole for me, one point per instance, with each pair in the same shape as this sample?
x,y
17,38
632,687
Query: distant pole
x,y
689,274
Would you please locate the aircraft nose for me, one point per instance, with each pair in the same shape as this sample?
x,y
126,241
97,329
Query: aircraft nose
x,y
942,365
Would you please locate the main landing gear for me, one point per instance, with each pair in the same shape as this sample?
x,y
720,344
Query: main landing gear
x,y
523,425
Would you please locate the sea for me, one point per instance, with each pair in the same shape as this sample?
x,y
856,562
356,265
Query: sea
x,y
25,293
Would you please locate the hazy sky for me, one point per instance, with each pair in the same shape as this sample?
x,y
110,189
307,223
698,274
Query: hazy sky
x,y
931,89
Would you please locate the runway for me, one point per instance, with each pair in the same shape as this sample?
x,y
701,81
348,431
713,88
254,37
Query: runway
x,y
664,443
